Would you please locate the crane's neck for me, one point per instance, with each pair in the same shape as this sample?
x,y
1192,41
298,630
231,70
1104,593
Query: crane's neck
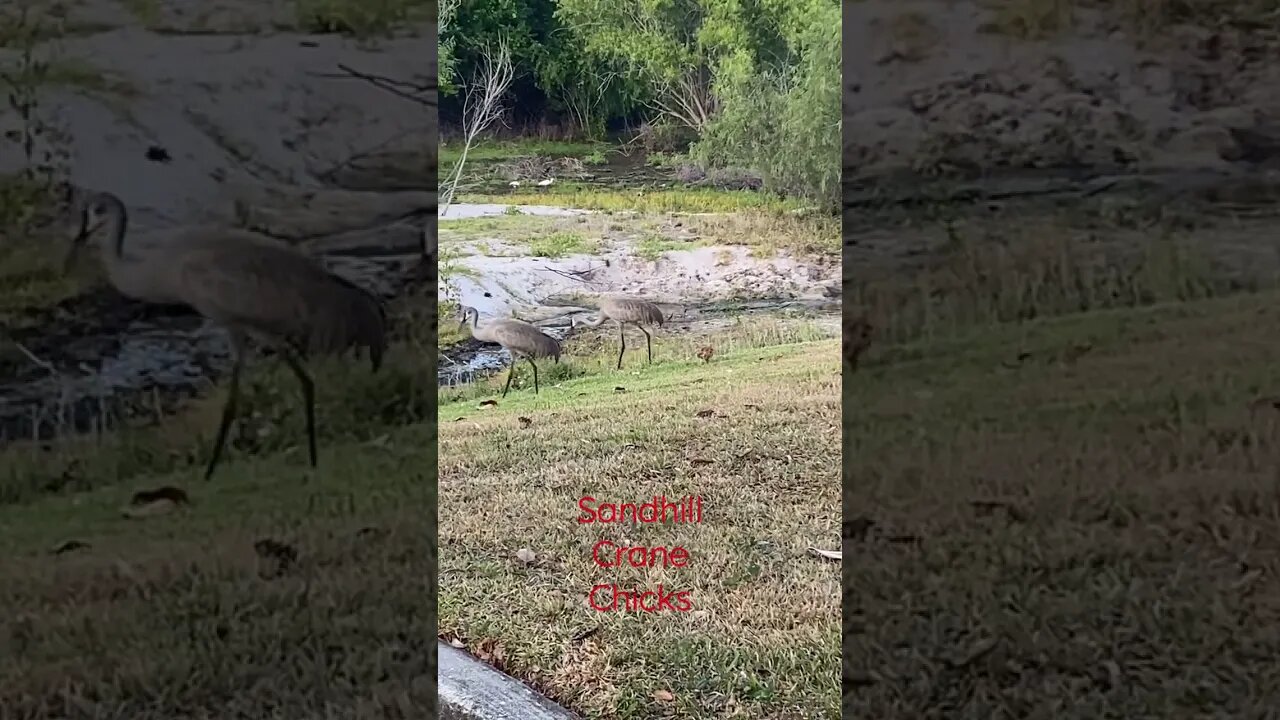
x,y
133,276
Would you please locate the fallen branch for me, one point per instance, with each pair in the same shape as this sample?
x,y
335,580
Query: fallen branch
x,y
423,94
572,274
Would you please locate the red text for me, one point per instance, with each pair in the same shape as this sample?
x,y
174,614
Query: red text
x,y
687,509
606,554
607,598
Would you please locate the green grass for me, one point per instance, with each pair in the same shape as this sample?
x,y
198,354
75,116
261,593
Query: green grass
x,y
31,272
179,601
765,232
560,244
651,247
507,224
1041,508
147,12
506,149
693,200
763,459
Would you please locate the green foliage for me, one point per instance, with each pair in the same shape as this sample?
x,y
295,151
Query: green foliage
x,y
752,85
651,247
785,122
553,68
446,60
561,244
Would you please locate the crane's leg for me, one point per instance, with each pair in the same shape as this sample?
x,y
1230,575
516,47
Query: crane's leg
x,y
229,409
510,373
535,375
648,342
622,338
308,398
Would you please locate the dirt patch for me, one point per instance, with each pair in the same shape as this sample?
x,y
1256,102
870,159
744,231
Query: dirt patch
x,y
235,113
497,274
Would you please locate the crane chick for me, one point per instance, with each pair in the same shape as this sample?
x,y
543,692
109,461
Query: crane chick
x,y
626,311
247,283
518,338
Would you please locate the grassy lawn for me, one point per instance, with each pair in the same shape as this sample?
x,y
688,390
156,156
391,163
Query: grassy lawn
x,y
181,614
643,200
650,233
1070,513
753,432
505,149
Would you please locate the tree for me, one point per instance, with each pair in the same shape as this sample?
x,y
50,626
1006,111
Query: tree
x,y
781,116
678,48
483,107
447,66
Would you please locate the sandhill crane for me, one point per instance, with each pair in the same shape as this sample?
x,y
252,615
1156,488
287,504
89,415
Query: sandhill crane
x,y
519,339
249,284
626,311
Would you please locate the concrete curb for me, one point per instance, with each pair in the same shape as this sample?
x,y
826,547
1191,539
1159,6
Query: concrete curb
x,y
473,690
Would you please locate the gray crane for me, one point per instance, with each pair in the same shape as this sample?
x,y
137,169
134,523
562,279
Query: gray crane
x,y
626,311
249,284
518,338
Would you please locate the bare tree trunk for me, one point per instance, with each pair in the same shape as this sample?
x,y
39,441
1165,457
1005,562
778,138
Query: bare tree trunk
x,y
481,108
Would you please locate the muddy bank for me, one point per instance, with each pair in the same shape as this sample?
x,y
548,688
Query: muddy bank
x,y
498,276
99,359
698,286
616,170
88,362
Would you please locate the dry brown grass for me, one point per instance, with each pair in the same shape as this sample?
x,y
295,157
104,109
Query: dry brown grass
x,y
753,432
1075,517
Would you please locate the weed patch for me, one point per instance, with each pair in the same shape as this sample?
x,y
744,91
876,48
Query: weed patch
x,y
490,151
651,247
560,244
691,200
